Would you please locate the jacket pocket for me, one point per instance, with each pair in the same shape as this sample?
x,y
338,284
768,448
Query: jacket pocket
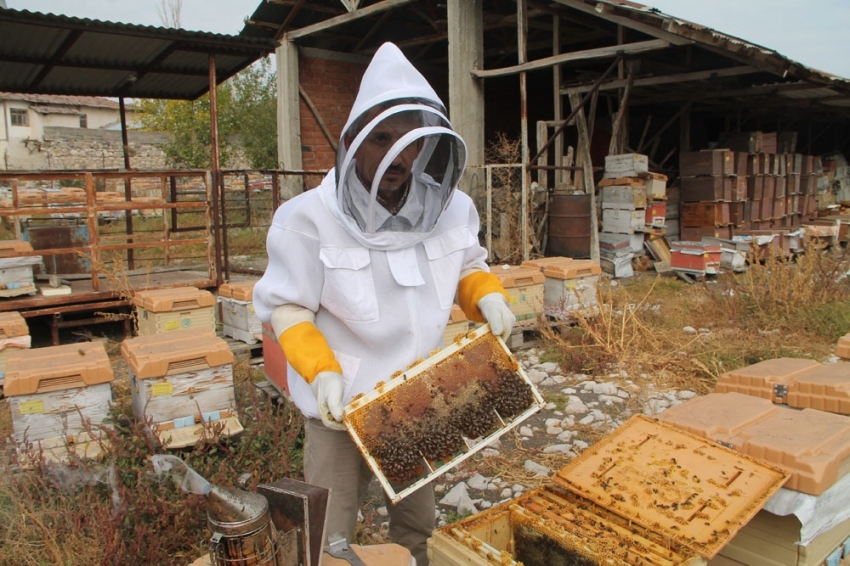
x,y
445,256
349,291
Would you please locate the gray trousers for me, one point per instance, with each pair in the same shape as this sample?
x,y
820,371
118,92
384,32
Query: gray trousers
x,y
332,460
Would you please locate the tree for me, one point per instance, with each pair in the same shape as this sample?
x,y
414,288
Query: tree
x,y
246,118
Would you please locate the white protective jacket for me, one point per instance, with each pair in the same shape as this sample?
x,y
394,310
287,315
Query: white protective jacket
x,y
381,291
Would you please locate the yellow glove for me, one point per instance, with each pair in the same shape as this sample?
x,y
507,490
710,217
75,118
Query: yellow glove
x,y
307,351
474,287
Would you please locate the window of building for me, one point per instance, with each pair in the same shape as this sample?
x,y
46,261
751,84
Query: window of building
x,y
84,121
19,117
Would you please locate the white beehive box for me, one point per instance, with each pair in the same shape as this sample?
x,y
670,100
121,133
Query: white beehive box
x,y
179,308
16,275
570,287
647,494
238,318
14,337
525,291
441,411
624,198
622,221
180,382
626,165
59,394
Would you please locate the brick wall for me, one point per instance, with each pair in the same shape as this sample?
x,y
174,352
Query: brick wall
x,y
332,87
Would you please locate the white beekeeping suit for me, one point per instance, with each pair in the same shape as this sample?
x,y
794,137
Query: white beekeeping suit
x,y
363,270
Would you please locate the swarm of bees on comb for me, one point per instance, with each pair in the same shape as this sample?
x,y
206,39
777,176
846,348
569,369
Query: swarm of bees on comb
x,y
424,419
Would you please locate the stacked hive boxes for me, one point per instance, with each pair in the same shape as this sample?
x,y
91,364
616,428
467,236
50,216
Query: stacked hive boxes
x,y
181,383
180,308
633,203
570,286
713,192
238,318
16,271
14,336
525,292
647,493
59,396
812,446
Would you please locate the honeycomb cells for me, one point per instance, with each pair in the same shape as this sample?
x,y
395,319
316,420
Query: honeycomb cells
x,y
469,394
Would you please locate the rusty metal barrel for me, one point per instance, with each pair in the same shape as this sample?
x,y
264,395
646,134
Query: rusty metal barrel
x,y
569,225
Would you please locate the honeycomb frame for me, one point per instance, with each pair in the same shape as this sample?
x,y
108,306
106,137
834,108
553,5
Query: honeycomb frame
x,y
423,422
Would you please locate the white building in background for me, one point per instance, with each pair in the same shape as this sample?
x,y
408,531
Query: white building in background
x,y
25,117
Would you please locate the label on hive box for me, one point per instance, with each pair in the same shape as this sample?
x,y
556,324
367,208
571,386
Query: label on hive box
x,y
31,407
159,389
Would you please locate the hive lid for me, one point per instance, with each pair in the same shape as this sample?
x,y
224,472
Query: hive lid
x,y
759,379
697,493
457,315
239,290
179,351
10,248
814,446
13,324
573,270
56,368
825,387
518,276
177,298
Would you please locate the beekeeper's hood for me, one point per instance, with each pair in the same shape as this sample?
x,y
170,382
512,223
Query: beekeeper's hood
x,y
399,160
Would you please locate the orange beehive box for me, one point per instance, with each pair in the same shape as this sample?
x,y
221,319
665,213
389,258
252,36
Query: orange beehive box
x,y
13,324
52,390
768,379
648,493
179,381
825,387
813,446
11,248
842,348
239,290
274,361
179,308
525,290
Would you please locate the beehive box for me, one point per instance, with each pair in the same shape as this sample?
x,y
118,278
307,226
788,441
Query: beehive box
x,y
179,308
842,347
14,337
813,446
422,423
647,494
626,165
525,291
16,272
238,318
458,325
794,382
570,286
274,362
622,221
625,198
700,258
57,395
180,382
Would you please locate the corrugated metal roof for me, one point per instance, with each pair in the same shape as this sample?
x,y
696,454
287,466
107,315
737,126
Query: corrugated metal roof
x,y
59,100
52,54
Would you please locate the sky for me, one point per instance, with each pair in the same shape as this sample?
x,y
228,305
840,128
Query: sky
x,y
813,32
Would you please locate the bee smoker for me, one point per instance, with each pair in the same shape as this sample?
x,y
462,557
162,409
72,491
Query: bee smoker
x,y
243,534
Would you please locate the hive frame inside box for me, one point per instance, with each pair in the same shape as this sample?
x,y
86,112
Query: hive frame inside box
x,y
468,449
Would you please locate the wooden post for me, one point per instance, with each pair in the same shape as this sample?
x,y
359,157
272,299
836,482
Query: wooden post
x,y
522,37
216,169
587,168
128,188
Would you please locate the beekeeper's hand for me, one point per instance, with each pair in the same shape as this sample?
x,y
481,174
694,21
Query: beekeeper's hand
x,y
495,311
328,388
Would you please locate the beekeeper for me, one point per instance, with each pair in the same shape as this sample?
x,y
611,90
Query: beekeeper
x,y
363,272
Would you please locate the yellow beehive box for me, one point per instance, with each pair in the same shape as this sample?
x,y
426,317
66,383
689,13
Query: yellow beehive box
x,y
14,337
647,494
57,395
525,290
238,318
181,382
458,325
179,308
12,248
570,286
842,348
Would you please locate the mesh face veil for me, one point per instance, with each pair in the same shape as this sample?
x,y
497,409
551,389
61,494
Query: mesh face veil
x,y
397,167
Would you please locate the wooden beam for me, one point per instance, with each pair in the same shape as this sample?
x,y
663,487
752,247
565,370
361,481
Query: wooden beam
x,y
346,18
598,53
318,117
624,21
587,167
668,79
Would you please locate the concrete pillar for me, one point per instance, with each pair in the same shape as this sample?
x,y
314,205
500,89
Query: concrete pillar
x,y
288,117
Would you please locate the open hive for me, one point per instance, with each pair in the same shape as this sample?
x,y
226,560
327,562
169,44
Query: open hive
x,y
646,495
420,424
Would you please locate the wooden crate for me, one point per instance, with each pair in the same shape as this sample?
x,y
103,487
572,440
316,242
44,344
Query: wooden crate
x,y
180,382
630,499
179,308
525,290
238,318
706,189
58,394
570,286
718,162
696,214
626,165
417,426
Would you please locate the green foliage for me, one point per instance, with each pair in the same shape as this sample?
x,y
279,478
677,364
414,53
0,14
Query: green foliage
x,y
246,117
